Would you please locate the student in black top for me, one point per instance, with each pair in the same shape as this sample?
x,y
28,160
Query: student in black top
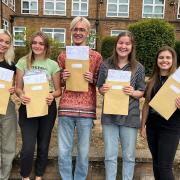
x,y
7,122
162,135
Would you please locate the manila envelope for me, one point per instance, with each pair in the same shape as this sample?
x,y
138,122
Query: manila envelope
x,y
164,101
115,100
76,81
4,91
38,94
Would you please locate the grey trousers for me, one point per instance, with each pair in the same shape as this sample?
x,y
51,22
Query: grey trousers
x,y
8,124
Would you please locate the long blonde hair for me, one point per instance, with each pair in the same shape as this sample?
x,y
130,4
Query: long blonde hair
x,y
30,56
132,56
154,78
9,54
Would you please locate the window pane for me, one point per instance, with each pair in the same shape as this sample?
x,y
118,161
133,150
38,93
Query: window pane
x,y
148,1
60,6
76,6
25,5
159,1
49,5
123,8
112,8
158,9
83,7
123,1
113,1
148,9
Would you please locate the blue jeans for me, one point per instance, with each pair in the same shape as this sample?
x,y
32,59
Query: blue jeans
x,y
66,128
127,136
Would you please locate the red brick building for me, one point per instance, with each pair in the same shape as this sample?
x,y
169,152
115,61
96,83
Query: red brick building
x,y
108,17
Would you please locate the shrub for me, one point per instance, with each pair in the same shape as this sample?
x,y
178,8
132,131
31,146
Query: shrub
x,y
150,35
177,48
107,46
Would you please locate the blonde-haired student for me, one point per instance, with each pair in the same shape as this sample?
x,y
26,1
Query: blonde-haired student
x,y
37,129
8,122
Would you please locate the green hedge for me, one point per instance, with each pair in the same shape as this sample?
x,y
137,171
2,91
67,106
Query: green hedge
x,y
150,35
177,48
107,46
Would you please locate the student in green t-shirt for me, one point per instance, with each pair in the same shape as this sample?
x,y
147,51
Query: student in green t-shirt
x,y
37,128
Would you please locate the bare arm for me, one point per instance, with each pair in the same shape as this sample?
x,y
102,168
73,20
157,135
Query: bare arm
x,y
145,111
19,87
132,92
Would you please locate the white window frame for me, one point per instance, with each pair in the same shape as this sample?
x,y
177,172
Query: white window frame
x,y
29,9
5,24
11,4
54,9
80,12
118,4
116,32
22,30
178,10
153,6
5,2
53,32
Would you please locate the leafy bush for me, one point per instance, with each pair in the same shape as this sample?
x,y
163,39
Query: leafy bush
x,y
107,46
177,48
150,35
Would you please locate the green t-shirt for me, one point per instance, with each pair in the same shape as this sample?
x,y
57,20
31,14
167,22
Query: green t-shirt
x,y
48,66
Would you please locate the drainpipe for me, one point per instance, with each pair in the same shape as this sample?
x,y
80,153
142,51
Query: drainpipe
x,y
98,3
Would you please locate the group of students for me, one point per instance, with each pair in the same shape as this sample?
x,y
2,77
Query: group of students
x,y
78,109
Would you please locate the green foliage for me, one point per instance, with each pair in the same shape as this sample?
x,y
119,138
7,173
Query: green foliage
x,y
177,48
150,35
107,46
20,51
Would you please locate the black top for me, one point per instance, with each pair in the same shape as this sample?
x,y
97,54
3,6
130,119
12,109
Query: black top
x,y
5,65
155,120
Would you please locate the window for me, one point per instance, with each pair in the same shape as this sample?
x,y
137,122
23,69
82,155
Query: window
x,y
55,7
92,39
57,34
5,2
29,7
12,4
117,8
116,32
178,16
80,7
153,8
5,25
19,36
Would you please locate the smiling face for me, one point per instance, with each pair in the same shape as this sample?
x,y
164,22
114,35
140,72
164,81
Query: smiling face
x,y
79,34
5,43
38,46
124,47
164,61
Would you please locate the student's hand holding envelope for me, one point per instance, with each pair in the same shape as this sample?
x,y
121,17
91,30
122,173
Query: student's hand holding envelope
x,y
66,74
178,102
49,99
12,90
88,76
24,99
105,88
129,90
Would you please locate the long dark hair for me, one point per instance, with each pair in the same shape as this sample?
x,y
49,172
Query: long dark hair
x,y
154,78
132,56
